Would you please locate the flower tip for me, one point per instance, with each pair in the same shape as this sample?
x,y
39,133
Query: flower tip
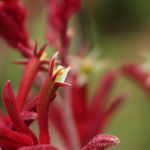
x,y
115,140
102,142
56,54
62,83
8,82
52,63
68,84
36,43
7,85
45,45
47,42
69,68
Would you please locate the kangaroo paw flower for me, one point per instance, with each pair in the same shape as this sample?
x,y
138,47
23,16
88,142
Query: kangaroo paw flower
x,y
54,80
12,110
101,142
34,63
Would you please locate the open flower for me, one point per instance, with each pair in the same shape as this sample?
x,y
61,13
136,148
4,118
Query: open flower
x,y
78,122
16,123
14,128
90,119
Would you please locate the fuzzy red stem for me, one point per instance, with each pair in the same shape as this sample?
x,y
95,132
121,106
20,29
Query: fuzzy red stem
x,y
15,136
27,80
12,144
45,98
12,110
42,110
32,105
39,147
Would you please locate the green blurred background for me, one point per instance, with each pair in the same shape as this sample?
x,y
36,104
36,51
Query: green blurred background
x,y
121,28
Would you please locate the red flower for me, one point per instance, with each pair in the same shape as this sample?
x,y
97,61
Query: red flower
x,y
89,120
58,15
14,131
101,142
138,74
59,12
12,18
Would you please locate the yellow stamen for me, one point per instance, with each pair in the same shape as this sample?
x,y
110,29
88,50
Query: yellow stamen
x,y
44,55
58,68
86,65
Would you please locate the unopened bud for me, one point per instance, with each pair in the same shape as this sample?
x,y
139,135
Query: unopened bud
x,y
102,142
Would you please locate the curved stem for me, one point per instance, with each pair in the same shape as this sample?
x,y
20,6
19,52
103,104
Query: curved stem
x,y
45,98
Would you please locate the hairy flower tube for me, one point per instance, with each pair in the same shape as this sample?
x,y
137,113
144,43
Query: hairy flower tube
x,y
90,115
101,142
73,117
89,120
54,80
14,131
34,64
16,123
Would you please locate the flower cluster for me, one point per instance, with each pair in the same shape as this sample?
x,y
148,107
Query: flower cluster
x,y
77,121
14,128
89,119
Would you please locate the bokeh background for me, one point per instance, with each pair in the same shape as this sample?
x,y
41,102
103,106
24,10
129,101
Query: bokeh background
x,y
121,28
